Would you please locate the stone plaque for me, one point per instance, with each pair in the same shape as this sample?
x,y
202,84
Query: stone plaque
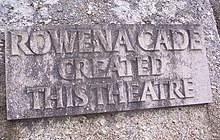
x,y
84,69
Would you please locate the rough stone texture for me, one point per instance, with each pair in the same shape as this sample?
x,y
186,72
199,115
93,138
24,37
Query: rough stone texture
x,y
46,88
2,93
5,129
193,122
214,108
216,10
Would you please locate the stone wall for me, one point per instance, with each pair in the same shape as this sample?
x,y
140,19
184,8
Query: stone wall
x,y
189,122
216,10
214,108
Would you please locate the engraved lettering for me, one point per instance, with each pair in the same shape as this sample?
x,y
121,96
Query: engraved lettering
x,y
57,96
157,66
85,41
163,39
66,69
100,67
133,95
146,39
115,66
180,39
188,88
143,66
197,39
36,100
123,40
83,69
18,42
99,93
81,94
149,91
161,89
118,91
110,94
126,66
121,92
175,88
69,94
63,40
101,40
40,42
48,103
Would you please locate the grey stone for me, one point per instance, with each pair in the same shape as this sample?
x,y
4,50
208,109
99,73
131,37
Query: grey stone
x,y
188,122
82,69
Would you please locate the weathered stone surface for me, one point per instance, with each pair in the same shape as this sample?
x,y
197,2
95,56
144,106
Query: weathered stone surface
x,y
189,122
83,69
216,11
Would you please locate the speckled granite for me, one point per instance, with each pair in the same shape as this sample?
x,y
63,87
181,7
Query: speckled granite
x,y
191,122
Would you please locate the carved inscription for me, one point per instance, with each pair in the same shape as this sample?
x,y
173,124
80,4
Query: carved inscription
x,y
127,92
70,70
